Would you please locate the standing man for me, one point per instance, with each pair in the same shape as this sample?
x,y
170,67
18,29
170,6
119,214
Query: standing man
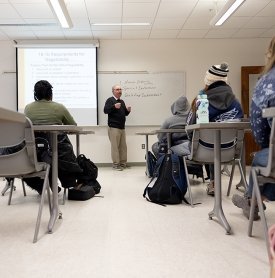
x,y
117,111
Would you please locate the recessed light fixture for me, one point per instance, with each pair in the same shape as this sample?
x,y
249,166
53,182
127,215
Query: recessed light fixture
x,y
229,8
60,10
120,24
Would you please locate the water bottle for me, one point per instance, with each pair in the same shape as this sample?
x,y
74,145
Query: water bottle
x,y
202,108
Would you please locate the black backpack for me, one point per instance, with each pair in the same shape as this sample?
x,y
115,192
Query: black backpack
x,y
89,174
151,163
85,192
168,184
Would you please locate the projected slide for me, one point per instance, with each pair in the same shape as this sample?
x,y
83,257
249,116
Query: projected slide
x,y
72,73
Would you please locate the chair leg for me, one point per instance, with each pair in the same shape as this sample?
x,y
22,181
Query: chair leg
x,y
225,170
49,198
24,188
188,183
257,195
231,178
45,187
11,190
203,179
64,196
6,188
244,182
252,210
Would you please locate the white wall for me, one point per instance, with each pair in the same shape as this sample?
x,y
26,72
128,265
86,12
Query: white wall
x,y
192,56
7,80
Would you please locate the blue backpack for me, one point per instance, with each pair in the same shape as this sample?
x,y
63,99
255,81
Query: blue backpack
x,y
168,184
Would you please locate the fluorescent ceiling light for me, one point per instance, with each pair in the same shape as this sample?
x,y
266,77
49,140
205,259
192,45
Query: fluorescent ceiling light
x,y
61,12
229,8
120,24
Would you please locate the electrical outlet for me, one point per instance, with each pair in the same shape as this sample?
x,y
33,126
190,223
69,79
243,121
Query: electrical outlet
x,y
143,146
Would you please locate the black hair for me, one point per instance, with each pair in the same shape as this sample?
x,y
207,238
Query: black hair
x,y
43,90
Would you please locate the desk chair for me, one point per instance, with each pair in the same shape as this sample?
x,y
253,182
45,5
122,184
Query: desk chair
x,y
202,147
18,155
261,175
243,181
8,186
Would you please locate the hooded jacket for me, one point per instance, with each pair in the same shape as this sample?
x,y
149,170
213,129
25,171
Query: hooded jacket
x,y
179,109
223,104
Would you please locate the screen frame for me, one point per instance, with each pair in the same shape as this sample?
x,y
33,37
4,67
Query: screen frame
x,y
63,46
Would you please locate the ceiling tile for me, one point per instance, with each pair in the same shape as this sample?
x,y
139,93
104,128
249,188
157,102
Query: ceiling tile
x,y
7,11
34,10
251,7
235,22
46,35
107,34
201,23
175,9
77,9
220,33
139,9
168,23
249,33
260,22
191,34
135,34
269,33
15,34
168,19
104,10
78,34
160,34
268,10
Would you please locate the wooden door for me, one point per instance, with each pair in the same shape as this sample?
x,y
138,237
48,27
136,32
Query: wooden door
x,y
246,91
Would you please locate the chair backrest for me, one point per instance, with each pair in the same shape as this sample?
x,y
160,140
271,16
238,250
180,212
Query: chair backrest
x,y
202,149
17,145
269,170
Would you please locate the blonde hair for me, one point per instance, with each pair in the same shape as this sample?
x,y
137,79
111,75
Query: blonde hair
x,y
270,57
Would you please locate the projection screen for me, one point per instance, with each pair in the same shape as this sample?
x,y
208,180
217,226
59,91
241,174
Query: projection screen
x,y
72,71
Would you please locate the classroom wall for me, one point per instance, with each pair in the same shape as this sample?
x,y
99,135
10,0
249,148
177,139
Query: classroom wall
x,y
192,56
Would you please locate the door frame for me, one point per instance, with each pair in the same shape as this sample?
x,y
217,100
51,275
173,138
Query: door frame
x,y
245,72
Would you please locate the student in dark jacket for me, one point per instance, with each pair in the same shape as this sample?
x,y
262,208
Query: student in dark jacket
x,y
46,111
223,105
117,111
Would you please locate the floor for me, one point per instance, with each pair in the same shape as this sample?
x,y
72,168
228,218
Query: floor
x,y
123,235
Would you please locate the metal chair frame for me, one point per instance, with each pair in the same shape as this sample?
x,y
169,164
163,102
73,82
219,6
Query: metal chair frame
x,y
18,156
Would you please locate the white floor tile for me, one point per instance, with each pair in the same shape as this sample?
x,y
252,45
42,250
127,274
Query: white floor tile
x,y
124,236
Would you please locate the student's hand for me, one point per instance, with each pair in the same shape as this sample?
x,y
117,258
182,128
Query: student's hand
x,y
129,108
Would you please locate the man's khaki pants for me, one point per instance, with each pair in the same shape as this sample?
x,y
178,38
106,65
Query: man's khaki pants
x,y
117,138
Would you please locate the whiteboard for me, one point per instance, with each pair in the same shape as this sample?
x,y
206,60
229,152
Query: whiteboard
x,y
149,94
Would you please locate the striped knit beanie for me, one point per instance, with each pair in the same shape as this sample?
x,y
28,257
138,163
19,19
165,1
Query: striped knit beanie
x,y
216,73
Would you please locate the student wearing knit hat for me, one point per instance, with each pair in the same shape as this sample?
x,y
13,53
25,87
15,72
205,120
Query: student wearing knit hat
x,y
223,104
216,73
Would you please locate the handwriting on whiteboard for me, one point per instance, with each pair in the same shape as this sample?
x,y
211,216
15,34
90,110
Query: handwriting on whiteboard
x,y
139,88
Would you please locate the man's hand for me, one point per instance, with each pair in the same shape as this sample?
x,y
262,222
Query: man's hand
x,y
117,105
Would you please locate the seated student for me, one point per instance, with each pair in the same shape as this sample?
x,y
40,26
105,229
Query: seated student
x,y
45,111
263,97
223,105
179,109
